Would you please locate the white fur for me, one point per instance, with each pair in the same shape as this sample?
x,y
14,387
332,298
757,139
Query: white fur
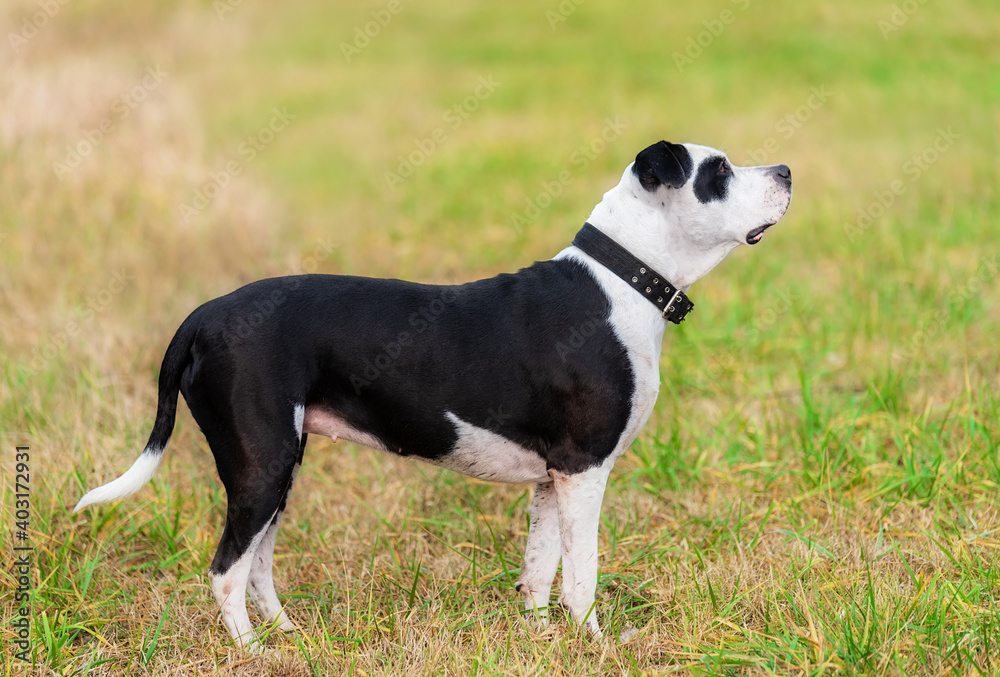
x,y
640,327
300,416
676,234
261,581
579,497
485,455
129,483
230,591
682,239
542,553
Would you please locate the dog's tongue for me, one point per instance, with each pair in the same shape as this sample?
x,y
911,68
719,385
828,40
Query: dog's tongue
x,y
753,237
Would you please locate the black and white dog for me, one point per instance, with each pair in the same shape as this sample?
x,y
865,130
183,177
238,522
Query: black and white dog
x,y
545,375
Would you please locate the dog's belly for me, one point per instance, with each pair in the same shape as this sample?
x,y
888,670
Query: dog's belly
x,y
321,422
485,455
478,452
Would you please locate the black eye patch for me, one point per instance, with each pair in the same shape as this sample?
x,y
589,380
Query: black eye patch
x,y
711,184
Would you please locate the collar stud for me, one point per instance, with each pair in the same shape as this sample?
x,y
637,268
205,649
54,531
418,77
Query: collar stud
x,y
622,263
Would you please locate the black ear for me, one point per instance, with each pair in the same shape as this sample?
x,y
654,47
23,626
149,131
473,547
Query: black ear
x,y
663,163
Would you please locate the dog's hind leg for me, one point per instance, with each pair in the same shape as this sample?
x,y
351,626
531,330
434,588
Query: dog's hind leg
x,y
261,582
255,449
542,552
229,574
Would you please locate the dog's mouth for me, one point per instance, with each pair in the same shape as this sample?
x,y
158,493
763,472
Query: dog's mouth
x,y
753,237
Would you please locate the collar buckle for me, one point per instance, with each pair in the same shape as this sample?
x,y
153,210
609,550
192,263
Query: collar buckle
x,y
669,309
622,263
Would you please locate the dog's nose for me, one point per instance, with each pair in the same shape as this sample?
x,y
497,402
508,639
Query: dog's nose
x,y
783,173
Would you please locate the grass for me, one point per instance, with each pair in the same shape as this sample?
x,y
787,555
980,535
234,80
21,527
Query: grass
x,y
816,493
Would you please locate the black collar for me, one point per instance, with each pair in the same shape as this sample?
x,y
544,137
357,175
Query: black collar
x,y
667,298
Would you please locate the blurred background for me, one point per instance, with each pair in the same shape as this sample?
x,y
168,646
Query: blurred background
x,y
156,154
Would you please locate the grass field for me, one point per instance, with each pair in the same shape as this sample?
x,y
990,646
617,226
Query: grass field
x,y
817,490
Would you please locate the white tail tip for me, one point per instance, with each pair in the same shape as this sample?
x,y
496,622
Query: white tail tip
x,y
129,483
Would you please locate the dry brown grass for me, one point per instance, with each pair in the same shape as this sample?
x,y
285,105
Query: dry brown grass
x,y
803,502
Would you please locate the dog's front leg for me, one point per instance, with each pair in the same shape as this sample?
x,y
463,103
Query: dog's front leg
x,y
541,554
579,497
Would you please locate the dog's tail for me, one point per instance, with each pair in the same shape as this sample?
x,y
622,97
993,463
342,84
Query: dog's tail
x,y
176,359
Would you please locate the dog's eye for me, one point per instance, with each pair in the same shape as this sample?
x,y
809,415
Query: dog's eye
x,y
723,167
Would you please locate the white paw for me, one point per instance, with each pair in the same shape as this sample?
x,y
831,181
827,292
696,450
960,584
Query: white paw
x,y
628,633
251,646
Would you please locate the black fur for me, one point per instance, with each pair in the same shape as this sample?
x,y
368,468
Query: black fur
x,y
530,356
663,163
711,182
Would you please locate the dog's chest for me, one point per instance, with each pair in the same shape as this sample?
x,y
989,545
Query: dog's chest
x,y
640,327
647,387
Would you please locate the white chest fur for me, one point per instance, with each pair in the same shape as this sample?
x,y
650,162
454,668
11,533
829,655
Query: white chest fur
x,y
639,326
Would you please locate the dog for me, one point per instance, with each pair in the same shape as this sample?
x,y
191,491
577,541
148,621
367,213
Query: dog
x,y
543,376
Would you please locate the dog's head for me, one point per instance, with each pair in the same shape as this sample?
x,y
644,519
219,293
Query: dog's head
x,y
711,200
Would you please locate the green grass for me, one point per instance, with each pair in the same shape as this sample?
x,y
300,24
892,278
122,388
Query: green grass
x,y
816,493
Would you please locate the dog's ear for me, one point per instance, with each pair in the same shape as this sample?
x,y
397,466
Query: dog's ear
x,y
663,163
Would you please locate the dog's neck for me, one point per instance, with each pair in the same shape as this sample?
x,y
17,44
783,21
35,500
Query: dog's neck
x,y
654,237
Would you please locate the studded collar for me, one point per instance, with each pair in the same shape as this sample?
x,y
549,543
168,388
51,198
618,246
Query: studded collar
x,y
673,304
